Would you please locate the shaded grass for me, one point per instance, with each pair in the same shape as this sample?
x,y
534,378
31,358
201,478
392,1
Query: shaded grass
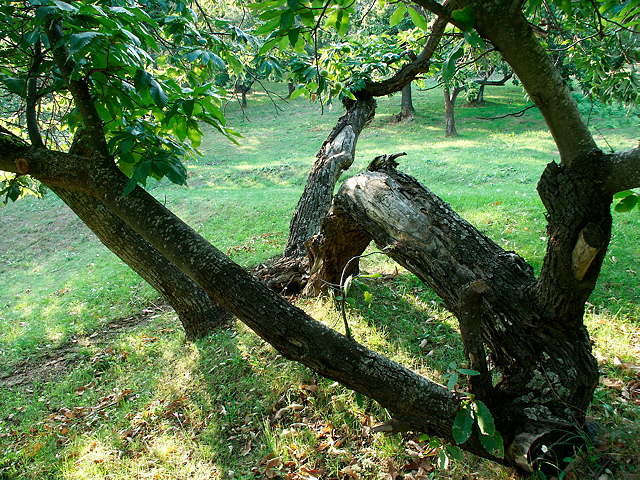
x,y
210,409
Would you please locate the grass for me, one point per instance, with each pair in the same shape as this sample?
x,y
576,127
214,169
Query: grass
x,y
101,401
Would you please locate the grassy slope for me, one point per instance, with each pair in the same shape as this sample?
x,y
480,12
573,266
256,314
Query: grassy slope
x,y
205,410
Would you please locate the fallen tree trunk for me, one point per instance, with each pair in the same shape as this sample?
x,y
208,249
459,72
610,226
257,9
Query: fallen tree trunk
x,y
546,373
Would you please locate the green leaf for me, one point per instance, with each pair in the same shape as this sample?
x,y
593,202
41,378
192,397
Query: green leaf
x,y
14,85
627,203
462,425
464,17
64,6
467,371
268,27
443,460
484,418
293,36
624,193
474,39
454,452
453,380
157,93
297,92
449,68
78,41
187,107
397,15
194,133
418,19
494,444
368,297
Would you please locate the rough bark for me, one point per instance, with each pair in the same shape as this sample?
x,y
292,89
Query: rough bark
x,y
546,370
421,404
199,315
406,105
288,274
336,155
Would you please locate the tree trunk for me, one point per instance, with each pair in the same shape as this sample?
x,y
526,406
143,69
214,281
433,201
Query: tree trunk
x,y
479,100
541,355
336,155
449,114
198,314
288,274
406,105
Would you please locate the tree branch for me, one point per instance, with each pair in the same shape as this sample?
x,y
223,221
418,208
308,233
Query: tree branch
x,y
512,36
79,88
425,406
411,70
625,171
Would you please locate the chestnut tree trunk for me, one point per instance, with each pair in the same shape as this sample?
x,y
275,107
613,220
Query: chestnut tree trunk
x,y
407,110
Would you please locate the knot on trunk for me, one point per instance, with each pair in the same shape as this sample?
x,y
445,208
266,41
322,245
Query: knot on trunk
x,y
385,162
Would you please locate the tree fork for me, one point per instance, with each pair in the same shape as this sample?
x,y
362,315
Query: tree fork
x,y
547,373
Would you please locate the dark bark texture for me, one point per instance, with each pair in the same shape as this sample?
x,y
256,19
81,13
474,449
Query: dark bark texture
x,y
336,155
407,110
544,364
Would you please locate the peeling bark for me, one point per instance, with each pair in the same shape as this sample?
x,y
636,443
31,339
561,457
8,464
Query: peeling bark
x,y
546,370
335,156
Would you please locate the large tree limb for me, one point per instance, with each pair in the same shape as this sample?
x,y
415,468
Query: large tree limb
x,y
491,291
336,155
410,71
422,404
510,33
624,172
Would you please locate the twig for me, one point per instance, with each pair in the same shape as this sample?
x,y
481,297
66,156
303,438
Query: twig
x,y
347,330
515,114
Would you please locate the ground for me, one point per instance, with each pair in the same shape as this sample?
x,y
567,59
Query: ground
x,y
98,382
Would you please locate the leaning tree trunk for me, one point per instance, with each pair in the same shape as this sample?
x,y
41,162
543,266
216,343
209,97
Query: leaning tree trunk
x,y
198,314
406,105
288,274
336,155
541,354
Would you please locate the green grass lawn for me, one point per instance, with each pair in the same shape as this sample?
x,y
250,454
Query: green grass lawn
x,y
107,387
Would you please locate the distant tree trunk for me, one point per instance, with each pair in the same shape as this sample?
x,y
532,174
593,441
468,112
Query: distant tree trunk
x,y
449,110
406,105
243,89
484,81
291,87
479,100
198,314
